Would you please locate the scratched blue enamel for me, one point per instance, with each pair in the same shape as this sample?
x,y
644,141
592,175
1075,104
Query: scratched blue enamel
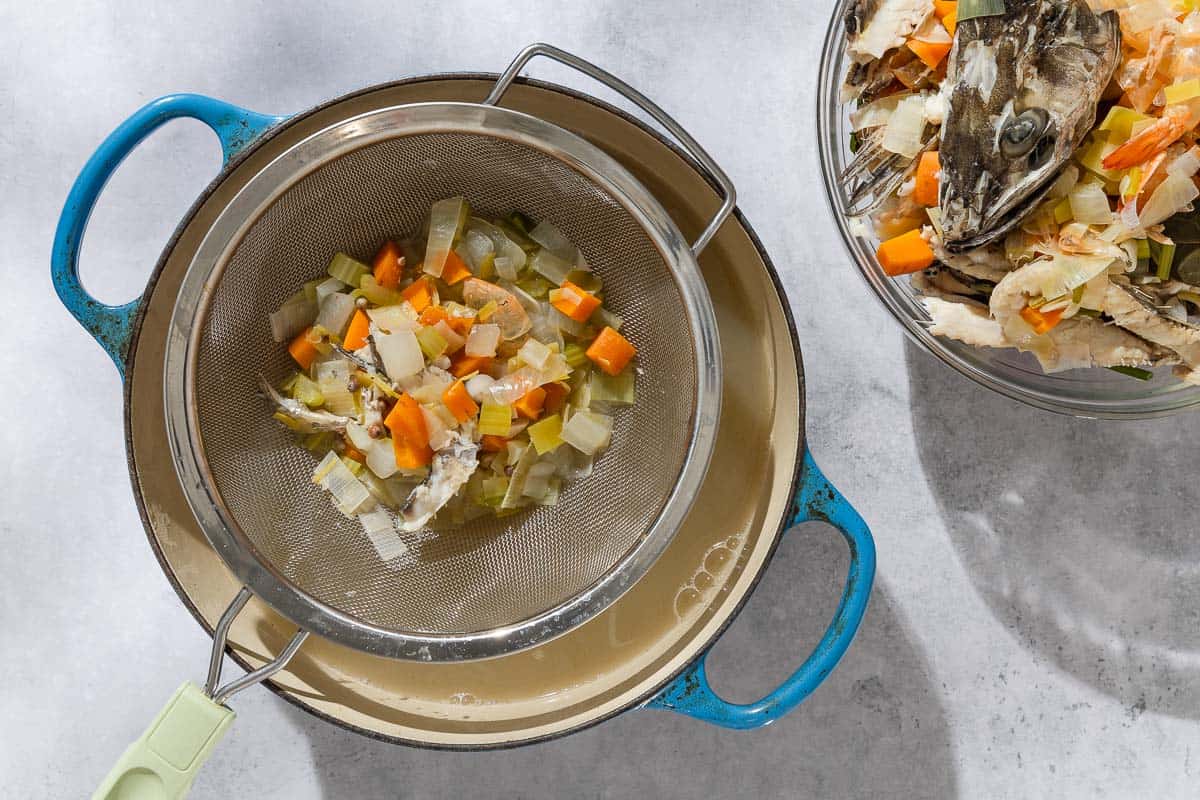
x,y
691,694
112,326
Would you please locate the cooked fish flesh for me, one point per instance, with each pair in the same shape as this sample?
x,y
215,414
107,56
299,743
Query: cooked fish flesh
x,y
874,27
1136,312
452,467
1022,91
966,322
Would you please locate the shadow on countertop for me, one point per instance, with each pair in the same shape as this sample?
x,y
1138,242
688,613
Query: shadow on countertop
x,y
875,728
1079,534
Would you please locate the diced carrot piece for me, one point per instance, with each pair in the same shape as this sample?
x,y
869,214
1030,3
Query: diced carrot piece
x,y
943,7
556,396
574,301
389,266
356,334
611,351
464,365
461,325
455,269
303,350
905,254
460,403
530,406
930,53
925,192
432,316
1042,322
950,21
418,295
410,437
493,444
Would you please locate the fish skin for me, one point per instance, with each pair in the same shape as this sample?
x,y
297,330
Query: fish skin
x,y
1056,55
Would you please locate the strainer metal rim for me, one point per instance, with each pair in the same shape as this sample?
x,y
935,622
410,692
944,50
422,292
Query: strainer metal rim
x,y
203,274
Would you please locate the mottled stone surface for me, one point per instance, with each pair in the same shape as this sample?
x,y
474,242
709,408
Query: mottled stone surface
x,y
1034,628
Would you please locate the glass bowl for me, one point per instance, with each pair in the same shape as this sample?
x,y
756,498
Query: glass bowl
x,y
1083,393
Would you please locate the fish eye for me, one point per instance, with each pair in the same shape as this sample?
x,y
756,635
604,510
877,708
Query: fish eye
x,y
1022,132
1042,152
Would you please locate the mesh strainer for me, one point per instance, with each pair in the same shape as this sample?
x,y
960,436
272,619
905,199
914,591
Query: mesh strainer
x,y
493,586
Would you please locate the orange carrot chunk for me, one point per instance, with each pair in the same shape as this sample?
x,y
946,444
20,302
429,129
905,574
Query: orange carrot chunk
x,y
930,53
611,351
574,301
356,334
1041,322
464,365
455,270
432,316
303,350
459,401
410,437
493,444
926,190
905,254
389,266
418,295
530,405
556,396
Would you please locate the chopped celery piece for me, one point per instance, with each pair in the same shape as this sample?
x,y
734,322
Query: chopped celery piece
x,y
551,266
294,424
487,266
495,419
516,481
1119,123
1164,258
346,269
602,317
520,221
1093,154
587,431
970,9
1077,294
1134,372
492,491
318,443
546,434
1089,312
310,290
377,295
1062,211
576,355
306,391
433,344
488,309
535,287
1190,297
352,465
1143,249
516,236
586,280
1182,91
616,390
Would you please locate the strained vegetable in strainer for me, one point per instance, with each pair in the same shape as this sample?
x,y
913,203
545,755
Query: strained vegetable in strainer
x,y
454,379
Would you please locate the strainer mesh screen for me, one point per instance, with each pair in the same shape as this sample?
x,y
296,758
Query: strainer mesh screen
x,y
489,573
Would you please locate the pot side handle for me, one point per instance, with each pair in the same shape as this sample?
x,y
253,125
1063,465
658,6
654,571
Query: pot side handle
x,y
111,326
690,693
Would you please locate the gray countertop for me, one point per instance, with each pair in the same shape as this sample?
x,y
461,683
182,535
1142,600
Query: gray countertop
x,y
1033,630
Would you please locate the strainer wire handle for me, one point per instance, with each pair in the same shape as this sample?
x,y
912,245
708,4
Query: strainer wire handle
x,y
690,692
163,762
112,326
693,148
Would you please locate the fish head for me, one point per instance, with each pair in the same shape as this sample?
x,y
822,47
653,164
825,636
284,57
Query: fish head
x,y
1021,94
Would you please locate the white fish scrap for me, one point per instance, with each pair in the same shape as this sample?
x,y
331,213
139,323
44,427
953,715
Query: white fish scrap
x,y
888,26
453,466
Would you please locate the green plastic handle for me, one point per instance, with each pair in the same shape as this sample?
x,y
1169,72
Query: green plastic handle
x,y
164,761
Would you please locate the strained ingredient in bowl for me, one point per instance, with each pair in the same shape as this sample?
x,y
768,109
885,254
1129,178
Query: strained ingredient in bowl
x,y
466,373
1023,161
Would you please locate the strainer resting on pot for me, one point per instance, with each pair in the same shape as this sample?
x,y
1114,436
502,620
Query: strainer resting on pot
x,y
495,585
